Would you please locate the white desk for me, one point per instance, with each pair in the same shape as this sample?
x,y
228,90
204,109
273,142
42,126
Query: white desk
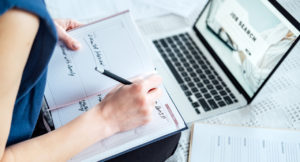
x,y
277,106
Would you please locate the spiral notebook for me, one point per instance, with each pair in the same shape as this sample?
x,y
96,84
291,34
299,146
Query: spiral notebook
x,y
74,86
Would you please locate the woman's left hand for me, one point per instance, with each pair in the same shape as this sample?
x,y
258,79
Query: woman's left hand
x,y
62,26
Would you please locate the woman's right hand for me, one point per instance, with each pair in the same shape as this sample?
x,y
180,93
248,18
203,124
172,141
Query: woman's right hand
x,y
130,106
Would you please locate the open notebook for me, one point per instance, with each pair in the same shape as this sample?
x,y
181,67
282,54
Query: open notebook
x,y
74,86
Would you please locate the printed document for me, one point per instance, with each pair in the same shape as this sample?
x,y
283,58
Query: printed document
x,y
217,143
74,85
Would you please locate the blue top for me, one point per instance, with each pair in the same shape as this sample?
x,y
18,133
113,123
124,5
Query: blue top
x,y
31,90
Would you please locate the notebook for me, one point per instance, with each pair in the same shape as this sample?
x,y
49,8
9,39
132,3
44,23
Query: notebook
x,y
74,86
220,143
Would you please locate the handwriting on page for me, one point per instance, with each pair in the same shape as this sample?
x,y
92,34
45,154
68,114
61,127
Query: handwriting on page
x,y
83,106
67,60
98,56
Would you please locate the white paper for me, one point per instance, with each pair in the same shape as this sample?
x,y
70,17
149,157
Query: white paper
x,y
183,8
216,143
74,86
82,9
87,11
141,10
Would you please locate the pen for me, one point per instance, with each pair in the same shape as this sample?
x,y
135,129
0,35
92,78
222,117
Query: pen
x,y
113,76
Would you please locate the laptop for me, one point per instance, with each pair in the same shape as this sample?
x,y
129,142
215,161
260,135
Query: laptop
x,y
222,62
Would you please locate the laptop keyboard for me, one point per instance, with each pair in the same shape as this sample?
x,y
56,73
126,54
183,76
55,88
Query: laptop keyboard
x,y
197,78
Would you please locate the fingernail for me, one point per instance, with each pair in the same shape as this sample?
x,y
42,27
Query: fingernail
x,y
76,45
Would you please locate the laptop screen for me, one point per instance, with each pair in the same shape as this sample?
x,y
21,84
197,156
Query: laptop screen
x,y
250,37
292,6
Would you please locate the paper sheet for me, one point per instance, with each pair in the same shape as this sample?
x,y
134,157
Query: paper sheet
x,y
216,143
87,11
141,10
183,8
82,9
74,86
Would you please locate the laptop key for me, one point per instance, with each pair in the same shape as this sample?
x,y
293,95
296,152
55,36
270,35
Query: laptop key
x,y
174,71
199,71
205,81
181,69
212,104
197,111
211,77
223,93
204,105
228,100
200,85
188,93
217,98
203,90
213,92
198,95
176,63
195,104
187,79
184,87
163,42
202,76
195,90
209,86
214,82
169,40
196,79
184,74
207,95
221,103
219,87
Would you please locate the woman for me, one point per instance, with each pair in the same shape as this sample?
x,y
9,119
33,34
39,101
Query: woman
x,y
27,39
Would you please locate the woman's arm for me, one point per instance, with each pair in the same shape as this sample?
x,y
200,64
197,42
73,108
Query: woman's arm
x,y
17,33
124,108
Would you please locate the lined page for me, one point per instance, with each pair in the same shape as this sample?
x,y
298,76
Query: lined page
x,y
217,143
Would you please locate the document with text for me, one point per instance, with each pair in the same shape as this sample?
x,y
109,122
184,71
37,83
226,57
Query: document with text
x,y
217,143
74,85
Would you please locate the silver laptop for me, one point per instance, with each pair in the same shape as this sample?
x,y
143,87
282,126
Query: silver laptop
x,y
222,62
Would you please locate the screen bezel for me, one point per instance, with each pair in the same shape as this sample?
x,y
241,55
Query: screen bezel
x,y
249,99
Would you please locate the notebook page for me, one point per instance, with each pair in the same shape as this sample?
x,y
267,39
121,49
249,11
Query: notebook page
x,y
165,120
217,143
183,8
113,44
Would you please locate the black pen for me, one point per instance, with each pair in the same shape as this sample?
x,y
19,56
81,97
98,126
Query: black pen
x,y
113,76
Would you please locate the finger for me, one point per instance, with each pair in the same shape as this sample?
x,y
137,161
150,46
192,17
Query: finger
x,y
71,24
152,82
68,40
154,95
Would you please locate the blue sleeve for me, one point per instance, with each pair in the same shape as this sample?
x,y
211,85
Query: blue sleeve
x,y
30,94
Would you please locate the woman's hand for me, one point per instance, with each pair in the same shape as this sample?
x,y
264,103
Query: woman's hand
x,y
62,26
130,106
